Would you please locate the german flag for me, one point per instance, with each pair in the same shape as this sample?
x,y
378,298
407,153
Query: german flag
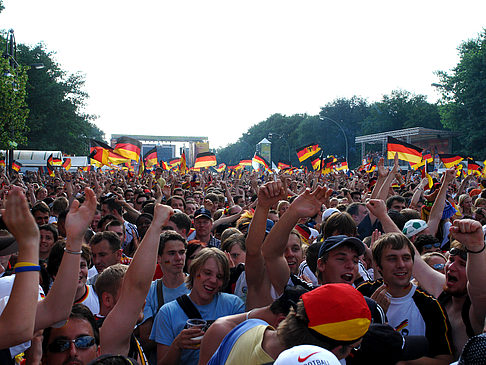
x,y
450,160
221,167
183,165
245,163
406,151
150,158
175,162
164,165
2,162
284,165
303,153
260,160
16,166
342,165
129,148
233,167
67,164
316,163
56,161
205,159
49,167
472,166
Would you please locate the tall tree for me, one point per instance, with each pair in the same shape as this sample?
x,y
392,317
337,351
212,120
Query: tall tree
x,y
463,90
56,100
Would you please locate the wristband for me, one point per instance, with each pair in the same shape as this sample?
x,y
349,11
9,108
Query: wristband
x,y
73,252
481,250
27,268
22,264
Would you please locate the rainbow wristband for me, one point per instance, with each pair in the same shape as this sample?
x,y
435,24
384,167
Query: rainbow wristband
x,y
22,264
27,268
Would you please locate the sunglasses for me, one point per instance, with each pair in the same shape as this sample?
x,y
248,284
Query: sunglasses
x,y
456,252
61,345
429,246
438,266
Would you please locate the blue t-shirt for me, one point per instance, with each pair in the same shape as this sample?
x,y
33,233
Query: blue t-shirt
x,y
170,294
171,319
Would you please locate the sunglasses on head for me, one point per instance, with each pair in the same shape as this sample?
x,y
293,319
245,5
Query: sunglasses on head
x,y
429,246
61,345
456,252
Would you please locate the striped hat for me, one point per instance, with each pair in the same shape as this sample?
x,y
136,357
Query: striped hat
x,y
337,311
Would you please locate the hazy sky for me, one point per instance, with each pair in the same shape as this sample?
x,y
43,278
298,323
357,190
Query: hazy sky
x,y
215,68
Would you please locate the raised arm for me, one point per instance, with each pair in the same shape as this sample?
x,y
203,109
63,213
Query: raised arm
x,y
256,278
419,190
306,205
57,304
17,320
470,233
439,204
118,325
383,194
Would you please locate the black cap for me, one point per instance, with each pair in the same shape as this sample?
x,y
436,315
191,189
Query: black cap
x,y
202,212
335,241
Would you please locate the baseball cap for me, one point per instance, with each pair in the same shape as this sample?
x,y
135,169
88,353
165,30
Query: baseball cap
x,y
391,345
202,212
335,241
337,311
413,227
306,355
328,212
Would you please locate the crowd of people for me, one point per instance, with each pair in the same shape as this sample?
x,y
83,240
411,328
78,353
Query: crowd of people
x,y
245,267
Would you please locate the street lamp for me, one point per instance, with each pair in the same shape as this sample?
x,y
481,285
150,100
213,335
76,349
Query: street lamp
x,y
270,136
342,130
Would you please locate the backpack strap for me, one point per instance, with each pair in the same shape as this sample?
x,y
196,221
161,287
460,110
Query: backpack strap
x,y
160,294
188,307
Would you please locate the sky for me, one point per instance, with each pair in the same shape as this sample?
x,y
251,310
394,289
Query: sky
x,y
215,68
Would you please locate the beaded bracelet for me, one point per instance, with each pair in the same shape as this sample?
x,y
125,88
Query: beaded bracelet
x,y
73,252
27,268
24,263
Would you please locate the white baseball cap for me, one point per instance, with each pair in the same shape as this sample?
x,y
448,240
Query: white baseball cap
x,y
306,355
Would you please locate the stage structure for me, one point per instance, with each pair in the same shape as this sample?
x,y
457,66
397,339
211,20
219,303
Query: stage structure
x,y
166,148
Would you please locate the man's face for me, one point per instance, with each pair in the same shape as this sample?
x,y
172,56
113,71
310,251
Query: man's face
x,y
41,218
240,201
362,212
46,242
139,202
456,278
237,255
340,267
105,210
73,329
190,209
95,221
104,256
143,225
207,282
356,198
282,209
83,273
119,232
293,253
177,204
129,195
397,205
174,256
396,267
171,225
203,226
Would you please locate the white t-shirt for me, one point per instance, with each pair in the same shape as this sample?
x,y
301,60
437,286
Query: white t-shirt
x,y
404,316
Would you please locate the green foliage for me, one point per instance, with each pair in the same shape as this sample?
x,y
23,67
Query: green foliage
x,y
56,100
463,90
13,107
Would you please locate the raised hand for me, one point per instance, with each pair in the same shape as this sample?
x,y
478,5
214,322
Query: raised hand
x,y
162,213
376,207
309,204
270,193
18,218
80,216
469,232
